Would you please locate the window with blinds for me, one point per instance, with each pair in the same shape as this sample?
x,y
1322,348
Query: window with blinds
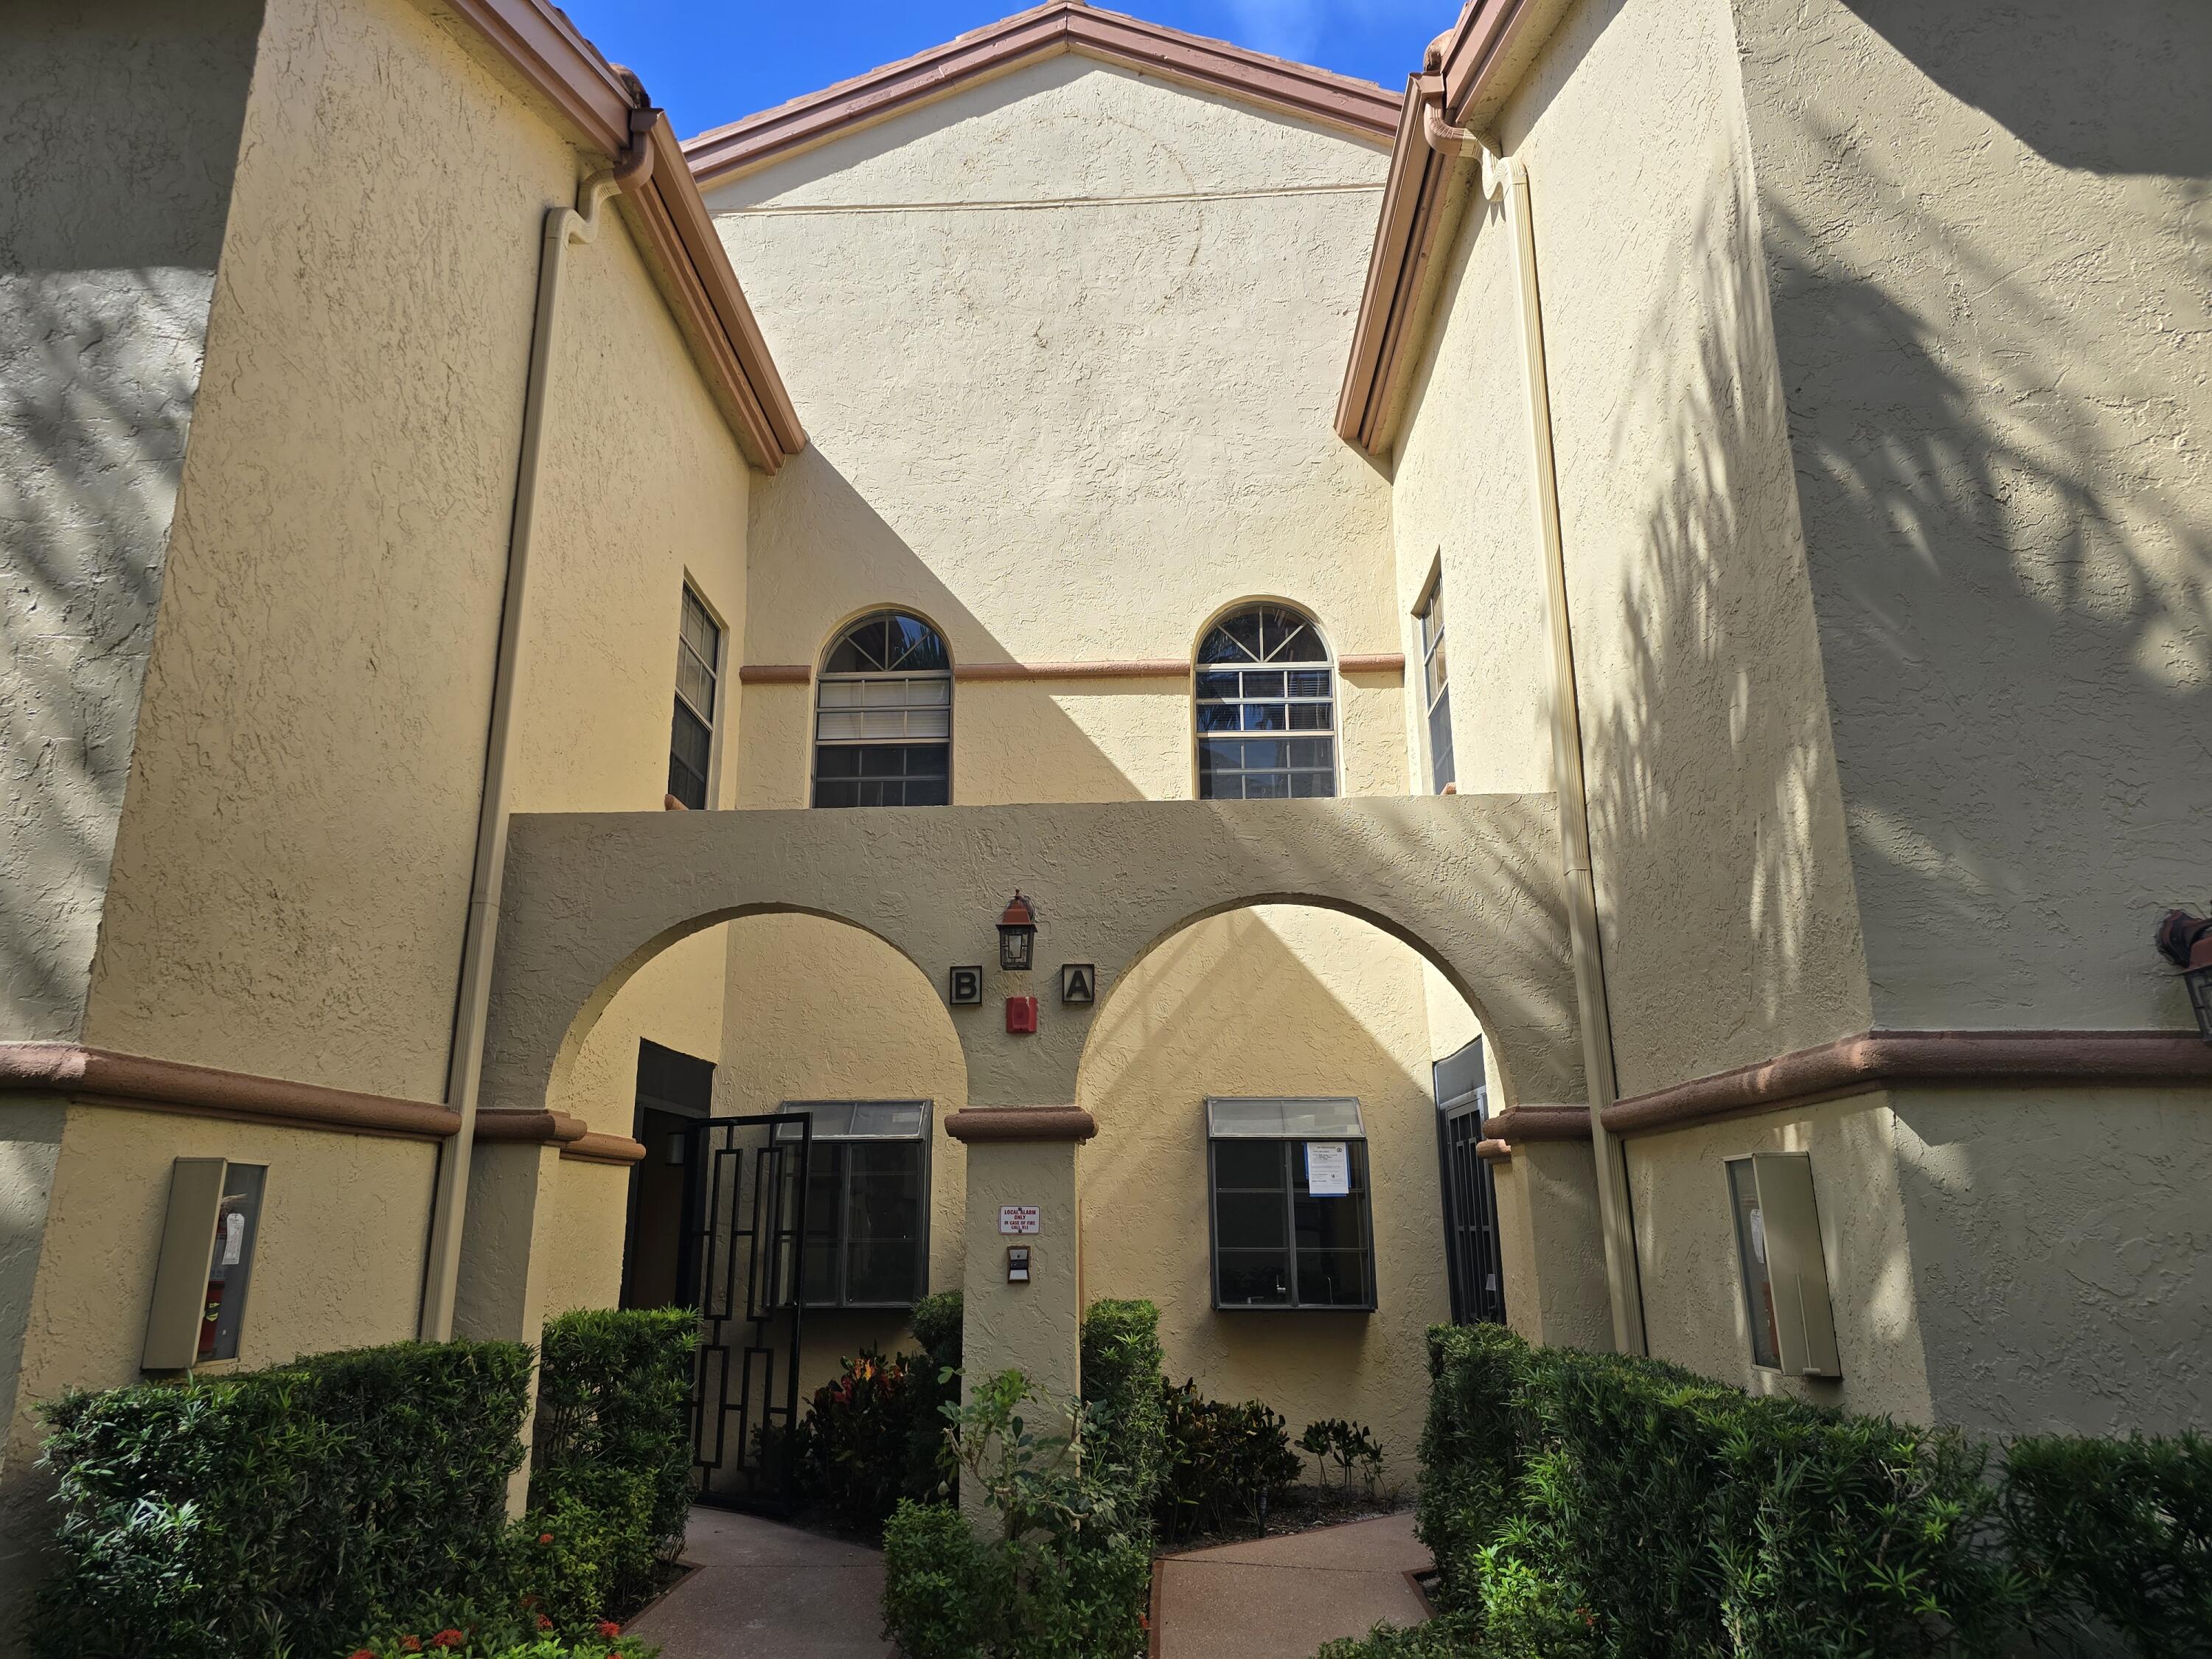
x,y
1436,692
698,668
882,716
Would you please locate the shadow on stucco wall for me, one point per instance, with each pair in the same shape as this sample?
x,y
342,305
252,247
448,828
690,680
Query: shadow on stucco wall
x,y
118,141
1997,456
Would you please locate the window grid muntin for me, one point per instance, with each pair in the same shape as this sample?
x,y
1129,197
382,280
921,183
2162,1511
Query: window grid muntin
x,y
888,726
1290,1168
1264,708
698,657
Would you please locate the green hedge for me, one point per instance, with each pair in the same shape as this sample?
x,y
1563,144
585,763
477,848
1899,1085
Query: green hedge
x,y
2116,1533
1587,1504
293,1505
611,1448
1591,1505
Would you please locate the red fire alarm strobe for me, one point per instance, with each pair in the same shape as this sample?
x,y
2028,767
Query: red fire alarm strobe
x,y
1021,1015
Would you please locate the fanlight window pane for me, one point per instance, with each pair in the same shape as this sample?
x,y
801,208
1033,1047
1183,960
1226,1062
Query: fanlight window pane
x,y
859,1120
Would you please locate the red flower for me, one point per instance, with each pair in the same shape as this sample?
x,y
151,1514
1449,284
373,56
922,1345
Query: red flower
x,y
410,1644
544,1623
361,1653
448,1638
544,1537
609,1629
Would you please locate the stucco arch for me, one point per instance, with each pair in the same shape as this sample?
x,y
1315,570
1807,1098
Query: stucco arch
x,y
1470,881
1453,976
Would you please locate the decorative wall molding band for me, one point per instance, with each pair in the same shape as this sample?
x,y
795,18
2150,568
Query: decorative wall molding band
x,y
973,1124
620,1150
1879,1060
1135,668
101,1076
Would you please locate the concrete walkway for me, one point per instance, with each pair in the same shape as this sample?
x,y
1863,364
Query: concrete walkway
x,y
766,1591
1283,1597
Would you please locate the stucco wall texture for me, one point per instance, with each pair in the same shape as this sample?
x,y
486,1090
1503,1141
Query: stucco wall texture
x,y
1180,271
117,146
1984,227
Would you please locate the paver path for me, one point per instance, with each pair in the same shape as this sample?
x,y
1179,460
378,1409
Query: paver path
x,y
1283,1597
765,1591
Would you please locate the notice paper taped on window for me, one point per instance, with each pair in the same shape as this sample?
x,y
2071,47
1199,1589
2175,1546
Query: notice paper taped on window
x,y
1329,1169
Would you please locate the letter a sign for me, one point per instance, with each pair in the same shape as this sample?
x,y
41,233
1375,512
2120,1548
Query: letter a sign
x,y
1079,983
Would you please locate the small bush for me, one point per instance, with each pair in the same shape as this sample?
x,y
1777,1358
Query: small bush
x,y
935,1383
1066,1571
613,1436
2116,1533
1225,1463
295,1505
1470,1455
1349,1446
855,1443
1121,1356
501,1640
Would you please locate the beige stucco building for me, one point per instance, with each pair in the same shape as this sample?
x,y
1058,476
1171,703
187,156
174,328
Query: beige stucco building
x,y
422,474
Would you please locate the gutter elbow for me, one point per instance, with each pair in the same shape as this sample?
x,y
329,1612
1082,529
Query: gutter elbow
x,y
1444,138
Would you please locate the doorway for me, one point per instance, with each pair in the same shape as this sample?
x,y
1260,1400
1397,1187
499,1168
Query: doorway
x,y
675,1091
1470,1191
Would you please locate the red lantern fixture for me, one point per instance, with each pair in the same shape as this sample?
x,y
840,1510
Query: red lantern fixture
x,y
1017,935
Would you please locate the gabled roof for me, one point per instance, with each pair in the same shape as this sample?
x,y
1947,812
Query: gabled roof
x,y
1357,107
539,46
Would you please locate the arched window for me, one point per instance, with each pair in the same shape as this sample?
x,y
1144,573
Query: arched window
x,y
1266,706
883,715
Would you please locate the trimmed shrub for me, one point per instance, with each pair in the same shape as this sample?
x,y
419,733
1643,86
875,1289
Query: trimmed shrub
x,y
1585,1504
855,1444
1121,1380
937,1327
295,1505
2116,1533
1225,1464
613,1436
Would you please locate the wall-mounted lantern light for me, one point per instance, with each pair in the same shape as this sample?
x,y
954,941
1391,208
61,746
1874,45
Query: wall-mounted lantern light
x,y
1017,935
2186,942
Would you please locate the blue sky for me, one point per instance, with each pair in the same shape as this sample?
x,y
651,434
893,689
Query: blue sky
x,y
711,61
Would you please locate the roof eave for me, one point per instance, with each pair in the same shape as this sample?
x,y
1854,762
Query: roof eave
x,y
1482,60
665,215
1356,108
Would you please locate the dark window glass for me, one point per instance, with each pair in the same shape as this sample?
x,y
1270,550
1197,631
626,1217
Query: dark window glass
x,y
691,739
865,1241
882,719
1278,1245
1264,697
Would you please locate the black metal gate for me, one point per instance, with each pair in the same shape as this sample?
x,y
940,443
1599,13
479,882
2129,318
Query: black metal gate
x,y
743,1272
1470,1191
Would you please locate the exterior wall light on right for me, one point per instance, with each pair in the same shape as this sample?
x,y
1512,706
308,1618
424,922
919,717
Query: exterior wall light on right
x,y
1784,1275
2186,942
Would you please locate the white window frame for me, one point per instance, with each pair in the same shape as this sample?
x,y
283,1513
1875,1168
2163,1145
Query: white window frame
x,y
717,673
866,684
1330,732
1431,605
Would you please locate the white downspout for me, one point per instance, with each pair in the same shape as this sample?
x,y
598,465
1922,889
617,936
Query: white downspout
x,y
1505,180
563,227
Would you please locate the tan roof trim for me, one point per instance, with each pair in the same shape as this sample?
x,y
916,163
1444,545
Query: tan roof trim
x,y
539,43
1470,72
1359,108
